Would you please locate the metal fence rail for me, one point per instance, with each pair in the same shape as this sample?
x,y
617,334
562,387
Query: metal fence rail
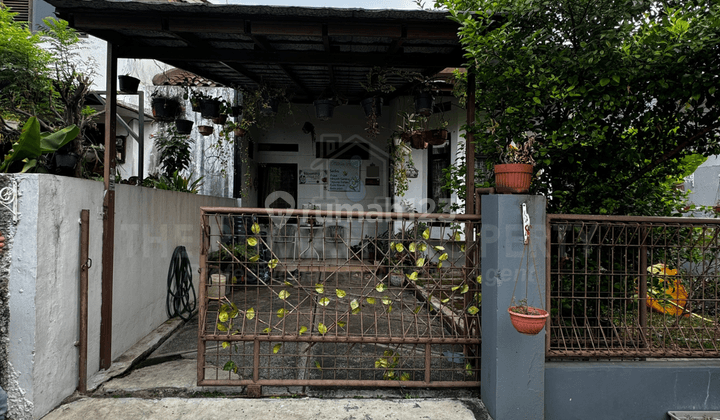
x,y
627,287
307,297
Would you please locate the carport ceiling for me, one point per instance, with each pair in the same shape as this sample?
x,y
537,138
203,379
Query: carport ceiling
x,y
305,50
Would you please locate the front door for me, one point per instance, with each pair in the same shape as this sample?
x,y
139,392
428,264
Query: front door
x,y
277,177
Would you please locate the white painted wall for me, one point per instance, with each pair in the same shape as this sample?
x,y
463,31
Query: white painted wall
x,y
44,277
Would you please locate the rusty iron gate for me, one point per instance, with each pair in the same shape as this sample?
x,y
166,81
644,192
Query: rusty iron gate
x,y
633,287
337,298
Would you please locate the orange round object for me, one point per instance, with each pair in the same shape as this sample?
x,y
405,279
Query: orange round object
x,y
513,178
528,324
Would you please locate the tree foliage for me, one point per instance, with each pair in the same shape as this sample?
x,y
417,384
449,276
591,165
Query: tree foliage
x,y
620,95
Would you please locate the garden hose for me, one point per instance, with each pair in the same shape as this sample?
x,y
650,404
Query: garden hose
x,y
179,286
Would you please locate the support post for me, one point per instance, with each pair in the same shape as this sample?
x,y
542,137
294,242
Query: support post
x,y
108,210
84,268
470,145
513,364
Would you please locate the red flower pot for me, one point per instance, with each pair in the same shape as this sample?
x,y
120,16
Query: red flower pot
x,y
529,324
513,178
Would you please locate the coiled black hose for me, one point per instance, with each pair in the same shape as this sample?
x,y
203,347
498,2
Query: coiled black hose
x,y
179,286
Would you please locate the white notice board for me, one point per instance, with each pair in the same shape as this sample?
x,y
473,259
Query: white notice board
x,y
344,175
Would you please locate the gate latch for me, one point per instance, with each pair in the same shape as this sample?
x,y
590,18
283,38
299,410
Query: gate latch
x,y
526,224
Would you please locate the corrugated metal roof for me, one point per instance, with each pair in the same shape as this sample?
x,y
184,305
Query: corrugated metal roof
x,y
303,49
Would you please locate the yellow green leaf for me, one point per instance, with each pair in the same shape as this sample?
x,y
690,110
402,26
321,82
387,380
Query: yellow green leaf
x,y
420,262
439,248
411,247
468,369
455,288
281,312
322,329
255,228
440,264
267,330
464,289
340,293
457,236
422,247
252,241
405,376
222,327
445,300
389,308
399,247
380,287
254,258
303,330
317,365
473,310
250,313
223,316
443,257
276,348
417,309
356,311
381,363
324,301
320,288
426,234
273,263
386,300
284,294
479,279
462,247
225,344
412,276
370,300
354,304
341,324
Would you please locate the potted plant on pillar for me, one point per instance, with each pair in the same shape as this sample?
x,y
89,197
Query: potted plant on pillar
x,y
527,319
515,174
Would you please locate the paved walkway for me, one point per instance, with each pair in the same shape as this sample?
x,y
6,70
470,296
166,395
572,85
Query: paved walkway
x,y
267,409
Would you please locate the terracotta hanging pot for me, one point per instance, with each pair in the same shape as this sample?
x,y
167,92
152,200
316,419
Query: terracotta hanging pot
x,y
239,132
513,178
205,130
435,137
220,119
531,323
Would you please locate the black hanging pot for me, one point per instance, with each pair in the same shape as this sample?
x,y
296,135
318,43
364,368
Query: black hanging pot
x,y
424,103
65,162
324,108
164,108
236,111
128,84
372,105
183,126
210,108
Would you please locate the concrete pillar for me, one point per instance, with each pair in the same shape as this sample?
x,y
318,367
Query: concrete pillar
x,y
513,364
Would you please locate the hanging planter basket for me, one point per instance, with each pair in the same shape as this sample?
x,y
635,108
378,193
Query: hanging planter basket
x,y
531,323
324,108
435,137
236,111
128,84
417,141
424,102
513,178
239,132
205,130
164,108
183,126
372,106
210,108
220,119
268,105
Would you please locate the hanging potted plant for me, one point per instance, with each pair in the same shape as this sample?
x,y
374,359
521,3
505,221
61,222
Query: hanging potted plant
x,y
165,108
324,109
515,175
411,130
205,130
376,85
128,84
527,319
183,126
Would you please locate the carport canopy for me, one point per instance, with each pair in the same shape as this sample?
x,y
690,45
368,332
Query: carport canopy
x,y
303,50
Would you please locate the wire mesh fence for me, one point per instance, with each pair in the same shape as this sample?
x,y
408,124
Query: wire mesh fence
x,y
628,287
307,297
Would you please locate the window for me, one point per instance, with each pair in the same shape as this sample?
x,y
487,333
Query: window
x,y
21,7
438,159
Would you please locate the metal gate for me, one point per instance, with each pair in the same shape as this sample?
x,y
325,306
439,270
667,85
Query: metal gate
x,y
328,298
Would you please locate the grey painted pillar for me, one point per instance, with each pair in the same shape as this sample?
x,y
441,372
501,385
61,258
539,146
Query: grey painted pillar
x,y
513,364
